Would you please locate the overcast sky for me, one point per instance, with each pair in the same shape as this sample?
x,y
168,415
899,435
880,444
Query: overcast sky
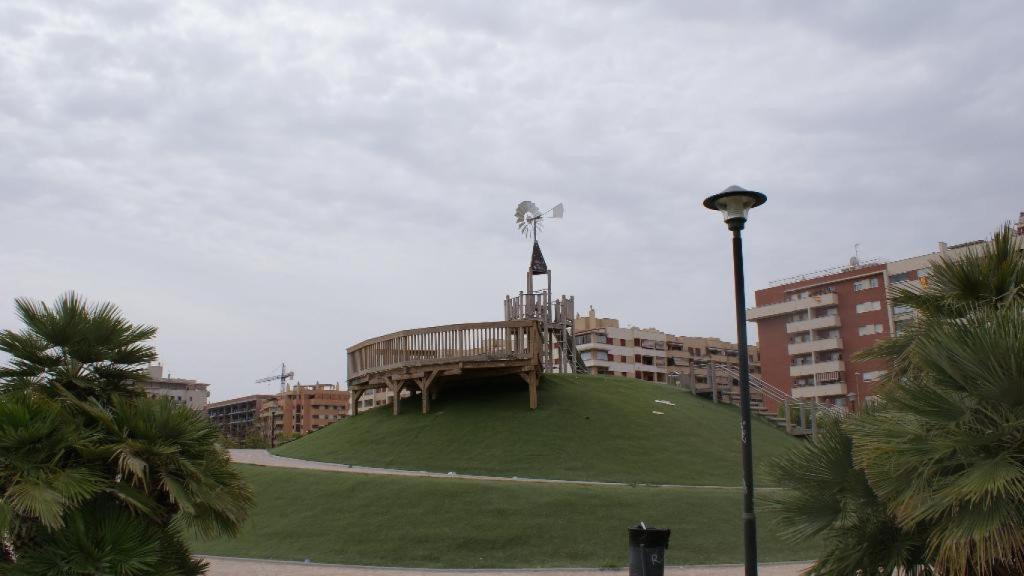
x,y
275,181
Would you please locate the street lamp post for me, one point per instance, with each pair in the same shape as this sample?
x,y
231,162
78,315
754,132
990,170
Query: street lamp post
x,y
734,203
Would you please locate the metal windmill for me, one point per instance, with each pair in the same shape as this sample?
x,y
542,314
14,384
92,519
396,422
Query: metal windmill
x,y
555,315
529,218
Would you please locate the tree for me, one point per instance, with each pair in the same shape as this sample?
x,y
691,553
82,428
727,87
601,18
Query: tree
x,y
988,276
946,452
95,478
89,351
934,471
824,495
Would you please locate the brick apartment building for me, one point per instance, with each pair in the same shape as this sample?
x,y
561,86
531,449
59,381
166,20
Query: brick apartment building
x,y
302,409
652,355
810,327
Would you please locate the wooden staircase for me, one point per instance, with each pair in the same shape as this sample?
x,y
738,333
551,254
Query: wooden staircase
x,y
798,416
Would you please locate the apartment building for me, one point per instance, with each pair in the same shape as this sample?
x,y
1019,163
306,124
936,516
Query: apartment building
x,y
191,393
810,327
652,355
238,417
304,408
379,397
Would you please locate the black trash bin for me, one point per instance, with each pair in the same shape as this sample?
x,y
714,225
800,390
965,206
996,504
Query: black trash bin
x,y
647,550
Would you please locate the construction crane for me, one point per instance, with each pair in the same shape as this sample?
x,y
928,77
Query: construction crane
x,y
284,376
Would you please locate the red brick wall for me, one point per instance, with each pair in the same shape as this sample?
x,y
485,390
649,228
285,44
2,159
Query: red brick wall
x,y
774,341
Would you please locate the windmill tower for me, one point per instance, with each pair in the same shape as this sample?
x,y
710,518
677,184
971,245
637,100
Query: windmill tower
x,y
538,303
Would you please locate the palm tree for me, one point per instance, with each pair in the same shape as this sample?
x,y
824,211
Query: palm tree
x,y
825,496
987,276
932,477
91,351
94,476
946,451
43,474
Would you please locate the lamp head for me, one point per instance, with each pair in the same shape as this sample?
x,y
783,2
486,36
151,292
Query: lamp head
x,y
734,203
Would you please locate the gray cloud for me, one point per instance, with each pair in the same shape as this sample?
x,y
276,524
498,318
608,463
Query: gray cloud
x,y
271,181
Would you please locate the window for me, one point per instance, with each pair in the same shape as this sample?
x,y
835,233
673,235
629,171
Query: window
x,y
826,312
902,326
802,382
602,355
901,277
802,360
869,306
826,334
873,375
585,355
869,329
924,272
865,284
902,309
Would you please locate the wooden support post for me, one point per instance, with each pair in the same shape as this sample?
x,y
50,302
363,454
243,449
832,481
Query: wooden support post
x,y
533,390
531,378
396,390
353,399
425,391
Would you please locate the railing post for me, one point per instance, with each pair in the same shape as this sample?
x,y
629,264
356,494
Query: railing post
x,y
713,381
789,426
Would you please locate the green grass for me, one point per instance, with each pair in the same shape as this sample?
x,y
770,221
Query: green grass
x,y
451,523
586,428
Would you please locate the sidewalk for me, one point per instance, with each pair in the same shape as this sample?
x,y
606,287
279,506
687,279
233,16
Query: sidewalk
x,y
265,458
246,567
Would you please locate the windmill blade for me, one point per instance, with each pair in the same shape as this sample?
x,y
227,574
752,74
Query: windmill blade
x,y
526,213
558,211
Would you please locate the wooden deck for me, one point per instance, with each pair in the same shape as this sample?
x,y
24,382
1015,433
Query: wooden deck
x,y
421,359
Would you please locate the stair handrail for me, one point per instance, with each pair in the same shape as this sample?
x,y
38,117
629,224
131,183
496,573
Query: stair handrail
x,y
778,394
575,360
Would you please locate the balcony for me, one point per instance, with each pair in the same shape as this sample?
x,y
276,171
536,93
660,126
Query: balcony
x,y
815,346
813,324
816,368
594,345
784,308
836,389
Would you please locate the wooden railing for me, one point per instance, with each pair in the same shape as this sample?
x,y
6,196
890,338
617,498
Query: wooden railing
x,y
539,306
480,341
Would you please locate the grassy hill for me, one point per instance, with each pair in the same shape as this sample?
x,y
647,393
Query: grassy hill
x,y
451,523
586,428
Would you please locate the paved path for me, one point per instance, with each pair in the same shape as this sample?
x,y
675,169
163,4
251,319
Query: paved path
x,y
264,458
245,567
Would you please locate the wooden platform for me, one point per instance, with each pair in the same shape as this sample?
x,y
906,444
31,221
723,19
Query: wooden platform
x,y
423,358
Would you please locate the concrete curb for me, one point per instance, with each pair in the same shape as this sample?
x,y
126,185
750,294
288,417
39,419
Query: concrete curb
x,y
265,458
364,568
